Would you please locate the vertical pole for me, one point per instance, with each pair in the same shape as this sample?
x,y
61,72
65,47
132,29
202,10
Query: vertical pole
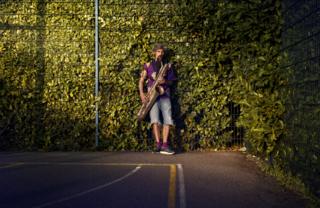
x,y
97,68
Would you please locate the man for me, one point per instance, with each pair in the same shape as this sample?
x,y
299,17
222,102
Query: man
x,y
162,104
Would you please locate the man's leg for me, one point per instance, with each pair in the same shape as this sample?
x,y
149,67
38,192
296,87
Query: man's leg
x,y
165,133
165,106
165,149
156,132
155,122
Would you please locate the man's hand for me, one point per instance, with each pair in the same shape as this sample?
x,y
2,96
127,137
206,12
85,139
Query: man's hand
x,y
144,98
162,81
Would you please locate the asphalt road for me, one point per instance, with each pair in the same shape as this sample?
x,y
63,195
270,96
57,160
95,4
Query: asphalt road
x,y
129,179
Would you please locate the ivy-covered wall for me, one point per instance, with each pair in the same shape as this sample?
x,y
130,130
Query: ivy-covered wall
x,y
299,152
225,53
239,81
46,63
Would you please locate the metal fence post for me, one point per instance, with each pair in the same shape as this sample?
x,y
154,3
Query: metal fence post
x,y
97,68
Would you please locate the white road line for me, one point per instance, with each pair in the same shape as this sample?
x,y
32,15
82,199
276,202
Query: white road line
x,y
10,165
89,190
89,164
181,187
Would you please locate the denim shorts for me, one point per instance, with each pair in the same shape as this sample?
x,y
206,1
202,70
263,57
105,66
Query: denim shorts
x,y
163,105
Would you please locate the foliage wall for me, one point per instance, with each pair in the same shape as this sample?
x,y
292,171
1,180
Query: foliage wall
x,y
225,55
300,41
46,75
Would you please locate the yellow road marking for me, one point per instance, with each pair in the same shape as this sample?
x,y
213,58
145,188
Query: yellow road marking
x,y
172,187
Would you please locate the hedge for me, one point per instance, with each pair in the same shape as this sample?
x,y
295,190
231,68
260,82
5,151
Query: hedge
x,y
225,54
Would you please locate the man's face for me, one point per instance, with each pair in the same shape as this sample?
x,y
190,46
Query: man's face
x,y
159,54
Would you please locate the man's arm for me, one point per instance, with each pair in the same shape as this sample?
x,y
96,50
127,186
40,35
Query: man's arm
x,y
170,78
143,77
167,82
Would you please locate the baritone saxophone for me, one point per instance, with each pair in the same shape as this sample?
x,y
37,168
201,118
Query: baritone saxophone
x,y
153,93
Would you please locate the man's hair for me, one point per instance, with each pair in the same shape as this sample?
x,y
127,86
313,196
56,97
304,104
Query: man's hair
x,y
158,46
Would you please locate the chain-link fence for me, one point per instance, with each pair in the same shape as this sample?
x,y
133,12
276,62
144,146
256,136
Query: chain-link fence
x,y
301,42
49,67
47,56
48,76
154,22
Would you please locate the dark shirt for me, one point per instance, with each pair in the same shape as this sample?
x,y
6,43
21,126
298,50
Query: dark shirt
x,y
152,72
